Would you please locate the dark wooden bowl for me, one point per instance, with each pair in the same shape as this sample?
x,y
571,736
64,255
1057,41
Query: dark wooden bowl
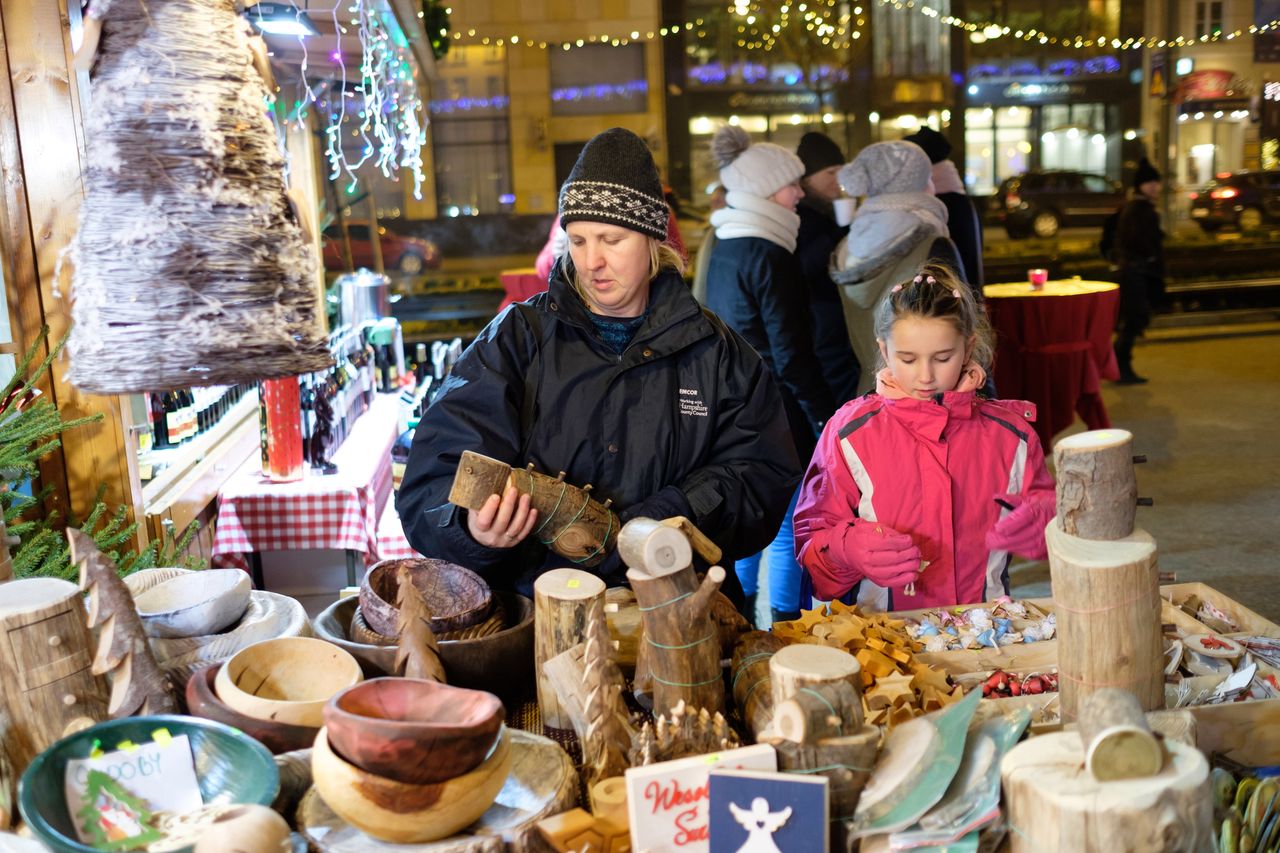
x,y
202,701
456,597
412,730
501,663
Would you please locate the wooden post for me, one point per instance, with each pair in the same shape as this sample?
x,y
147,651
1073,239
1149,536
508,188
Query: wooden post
x,y
45,666
1097,488
847,761
1055,804
562,599
752,692
681,649
1107,601
1118,743
138,684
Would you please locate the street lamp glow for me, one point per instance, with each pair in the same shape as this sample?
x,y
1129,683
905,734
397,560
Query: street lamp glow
x,y
1131,135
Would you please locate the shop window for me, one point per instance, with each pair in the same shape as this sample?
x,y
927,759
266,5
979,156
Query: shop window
x,y
912,45
470,132
997,146
1208,18
598,79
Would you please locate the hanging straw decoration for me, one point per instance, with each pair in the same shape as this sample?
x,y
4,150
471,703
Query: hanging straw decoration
x,y
191,267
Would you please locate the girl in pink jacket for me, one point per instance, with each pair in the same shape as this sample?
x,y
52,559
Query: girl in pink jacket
x,y
918,492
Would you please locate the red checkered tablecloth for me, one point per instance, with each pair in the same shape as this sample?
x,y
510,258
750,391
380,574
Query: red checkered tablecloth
x,y
339,510
392,544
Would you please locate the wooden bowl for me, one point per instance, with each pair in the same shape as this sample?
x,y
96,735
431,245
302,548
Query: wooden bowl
x,y
230,767
287,680
407,814
195,604
497,620
501,663
203,701
412,730
456,597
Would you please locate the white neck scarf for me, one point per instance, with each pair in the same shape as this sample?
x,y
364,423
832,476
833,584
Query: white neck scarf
x,y
751,216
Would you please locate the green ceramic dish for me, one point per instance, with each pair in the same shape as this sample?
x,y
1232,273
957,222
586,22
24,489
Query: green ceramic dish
x,y
231,767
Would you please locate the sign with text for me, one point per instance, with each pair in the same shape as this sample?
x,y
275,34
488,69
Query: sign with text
x,y
669,803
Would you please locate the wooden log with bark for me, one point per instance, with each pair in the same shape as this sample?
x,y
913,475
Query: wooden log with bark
x,y
1097,487
818,712
570,522
608,740
1107,602
809,665
681,649
562,600
752,691
1118,743
418,653
847,761
138,684
1054,803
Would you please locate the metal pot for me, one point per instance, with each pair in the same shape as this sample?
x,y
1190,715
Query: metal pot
x,y
366,297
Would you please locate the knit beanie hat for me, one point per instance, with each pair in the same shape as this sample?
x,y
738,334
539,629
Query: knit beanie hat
x,y
760,170
937,146
615,181
887,167
1146,172
817,151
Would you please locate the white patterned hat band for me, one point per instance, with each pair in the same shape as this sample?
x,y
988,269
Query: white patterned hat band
x,y
603,201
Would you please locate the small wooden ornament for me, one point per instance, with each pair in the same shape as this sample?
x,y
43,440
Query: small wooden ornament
x,y
418,655
1118,743
562,600
138,684
576,831
608,799
685,732
608,740
1097,488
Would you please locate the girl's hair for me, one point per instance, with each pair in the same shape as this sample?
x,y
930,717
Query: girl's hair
x,y
661,258
937,294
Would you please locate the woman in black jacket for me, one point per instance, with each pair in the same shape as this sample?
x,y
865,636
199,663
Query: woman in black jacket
x,y
614,376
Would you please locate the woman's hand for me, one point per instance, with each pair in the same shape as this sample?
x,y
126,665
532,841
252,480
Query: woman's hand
x,y
502,522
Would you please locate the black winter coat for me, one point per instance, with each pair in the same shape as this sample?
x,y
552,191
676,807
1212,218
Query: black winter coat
x,y
819,235
687,421
965,228
756,287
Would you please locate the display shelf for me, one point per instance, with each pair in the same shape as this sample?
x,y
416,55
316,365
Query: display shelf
x,y
182,462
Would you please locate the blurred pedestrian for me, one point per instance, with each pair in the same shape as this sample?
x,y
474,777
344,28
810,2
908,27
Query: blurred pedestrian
x,y
715,201
1139,250
756,287
963,222
819,235
899,227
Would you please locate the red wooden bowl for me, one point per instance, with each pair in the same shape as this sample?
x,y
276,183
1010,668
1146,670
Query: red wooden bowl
x,y
412,730
456,597
202,701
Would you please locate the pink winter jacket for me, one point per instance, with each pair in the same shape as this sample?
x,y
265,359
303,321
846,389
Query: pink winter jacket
x,y
930,469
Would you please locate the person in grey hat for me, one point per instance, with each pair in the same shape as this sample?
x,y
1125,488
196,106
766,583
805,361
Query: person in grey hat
x,y
614,376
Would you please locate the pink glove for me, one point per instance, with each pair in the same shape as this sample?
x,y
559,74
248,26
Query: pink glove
x,y
882,554
1022,531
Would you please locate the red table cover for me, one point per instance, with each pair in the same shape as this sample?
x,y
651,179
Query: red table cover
x,y
1053,348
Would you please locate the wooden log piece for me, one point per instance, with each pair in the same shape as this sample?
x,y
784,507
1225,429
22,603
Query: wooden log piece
x,y
681,652
659,548
622,615
565,675
45,666
807,665
562,600
1107,601
818,712
752,691
570,522
1118,743
1097,488
847,761
1054,803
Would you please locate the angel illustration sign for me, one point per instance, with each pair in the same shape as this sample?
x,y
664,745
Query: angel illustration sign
x,y
787,813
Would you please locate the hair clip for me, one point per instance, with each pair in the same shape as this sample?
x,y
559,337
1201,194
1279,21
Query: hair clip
x,y
898,287
916,280
956,293
931,279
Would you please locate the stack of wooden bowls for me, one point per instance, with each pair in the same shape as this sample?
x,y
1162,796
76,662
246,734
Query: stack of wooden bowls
x,y
411,761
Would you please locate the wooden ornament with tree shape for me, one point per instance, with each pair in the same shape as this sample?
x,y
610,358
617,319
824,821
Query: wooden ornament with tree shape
x,y
752,692
608,736
1118,743
138,684
1056,804
686,731
680,654
418,654
846,761
570,522
562,600
1096,485
1107,603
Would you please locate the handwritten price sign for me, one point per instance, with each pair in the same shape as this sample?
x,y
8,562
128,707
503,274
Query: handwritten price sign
x,y
668,802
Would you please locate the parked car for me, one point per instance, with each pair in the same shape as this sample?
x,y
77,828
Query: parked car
x,y
1040,203
409,255
1244,200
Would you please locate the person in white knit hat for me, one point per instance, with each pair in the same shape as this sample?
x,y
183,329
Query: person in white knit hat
x,y
755,285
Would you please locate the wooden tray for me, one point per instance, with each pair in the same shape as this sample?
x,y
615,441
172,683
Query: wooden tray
x,y
1249,621
542,782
